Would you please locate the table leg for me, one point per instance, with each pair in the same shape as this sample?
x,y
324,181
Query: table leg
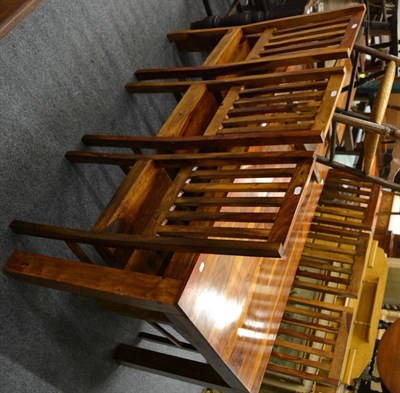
x,y
186,370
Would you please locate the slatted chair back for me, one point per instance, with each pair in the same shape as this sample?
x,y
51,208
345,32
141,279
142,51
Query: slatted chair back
x,y
284,103
311,340
335,29
291,103
313,334
335,33
267,47
347,204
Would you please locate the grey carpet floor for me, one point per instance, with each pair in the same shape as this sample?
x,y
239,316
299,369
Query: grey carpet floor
x,y
62,73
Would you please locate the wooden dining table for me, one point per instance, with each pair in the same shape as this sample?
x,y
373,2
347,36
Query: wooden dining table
x,y
227,307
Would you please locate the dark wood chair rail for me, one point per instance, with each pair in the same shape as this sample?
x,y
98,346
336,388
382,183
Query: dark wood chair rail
x,y
12,12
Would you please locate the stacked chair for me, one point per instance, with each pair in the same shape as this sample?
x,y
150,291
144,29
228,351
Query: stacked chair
x,y
230,193
312,342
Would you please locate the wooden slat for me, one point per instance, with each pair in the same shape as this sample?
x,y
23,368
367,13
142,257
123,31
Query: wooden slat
x,y
281,229
330,202
221,216
348,179
341,223
179,160
300,38
335,231
309,262
302,361
331,238
305,336
202,231
335,19
303,348
341,212
329,102
328,255
270,118
290,97
288,136
322,305
300,374
325,43
308,106
164,243
329,195
309,85
272,129
327,278
341,346
311,31
330,248
346,190
309,325
199,142
359,265
352,30
310,313
229,201
226,83
324,289
235,187
374,201
254,66
242,173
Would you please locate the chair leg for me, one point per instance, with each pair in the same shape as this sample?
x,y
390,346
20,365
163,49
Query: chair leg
x,y
207,7
81,157
143,291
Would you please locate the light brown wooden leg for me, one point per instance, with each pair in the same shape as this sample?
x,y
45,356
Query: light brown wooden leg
x,y
119,286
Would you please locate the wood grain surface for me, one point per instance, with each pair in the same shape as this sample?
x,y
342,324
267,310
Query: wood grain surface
x,y
388,358
13,11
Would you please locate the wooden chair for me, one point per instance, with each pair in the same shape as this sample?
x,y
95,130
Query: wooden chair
x,y
324,26
149,285
312,338
203,191
286,105
277,44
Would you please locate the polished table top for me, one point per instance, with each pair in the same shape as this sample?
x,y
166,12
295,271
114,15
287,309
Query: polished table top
x,y
236,303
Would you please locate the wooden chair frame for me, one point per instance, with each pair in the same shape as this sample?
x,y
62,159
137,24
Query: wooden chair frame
x,y
315,326
202,182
